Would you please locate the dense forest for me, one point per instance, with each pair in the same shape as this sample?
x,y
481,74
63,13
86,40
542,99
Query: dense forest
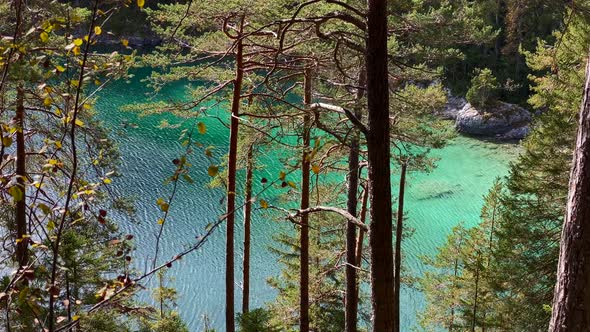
x,y
253,165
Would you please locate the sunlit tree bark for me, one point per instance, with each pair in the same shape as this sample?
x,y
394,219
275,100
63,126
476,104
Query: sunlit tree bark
x,y
571,302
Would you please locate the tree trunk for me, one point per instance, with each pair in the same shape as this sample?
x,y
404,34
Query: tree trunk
x,y
231,186
351,301
304,239
490,255
455,272
398,243
477,272
247,220
571,302
378,145
363,219
360,239
21,204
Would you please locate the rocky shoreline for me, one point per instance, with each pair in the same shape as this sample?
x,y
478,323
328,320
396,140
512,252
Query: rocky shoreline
x,y
501,121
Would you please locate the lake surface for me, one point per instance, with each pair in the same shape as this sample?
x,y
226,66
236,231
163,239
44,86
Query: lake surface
x,y
436,201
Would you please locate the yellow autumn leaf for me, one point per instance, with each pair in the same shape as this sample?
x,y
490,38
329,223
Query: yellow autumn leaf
x,y
263,204
282,175
79,123
212,170
140,3
47,101
7,141
97,30
315,169
202,128
44,36
60,69
44,208
125,42
78,42
16,192
164,207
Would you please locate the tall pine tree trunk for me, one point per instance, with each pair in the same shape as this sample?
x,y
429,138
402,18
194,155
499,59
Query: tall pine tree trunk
x,y
378,145
304,239
351,301
21,204
398,242
231,185
247,221
571,302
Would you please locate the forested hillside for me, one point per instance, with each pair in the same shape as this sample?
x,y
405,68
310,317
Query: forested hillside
x,y
286,165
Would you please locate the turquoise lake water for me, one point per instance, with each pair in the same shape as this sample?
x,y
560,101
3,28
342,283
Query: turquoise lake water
x,y
436,201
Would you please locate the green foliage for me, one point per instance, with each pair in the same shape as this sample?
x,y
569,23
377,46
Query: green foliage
x,y
326,275
167,320
498,275
170,322
326,311
257,320
529,211
484,89
460,285
103,321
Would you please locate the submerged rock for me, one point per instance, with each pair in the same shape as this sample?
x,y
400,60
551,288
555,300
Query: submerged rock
x,y
501,121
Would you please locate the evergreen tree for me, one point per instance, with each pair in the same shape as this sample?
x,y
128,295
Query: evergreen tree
x,y
531,205
460,286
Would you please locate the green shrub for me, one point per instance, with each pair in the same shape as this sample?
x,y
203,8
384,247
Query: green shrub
x,y
257,320
170,322
484,89
103,321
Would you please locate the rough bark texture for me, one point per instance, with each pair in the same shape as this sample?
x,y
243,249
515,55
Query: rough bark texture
x,y
21,205
351,296
398,243
231,188
304,236
247,221
378,145
571,302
